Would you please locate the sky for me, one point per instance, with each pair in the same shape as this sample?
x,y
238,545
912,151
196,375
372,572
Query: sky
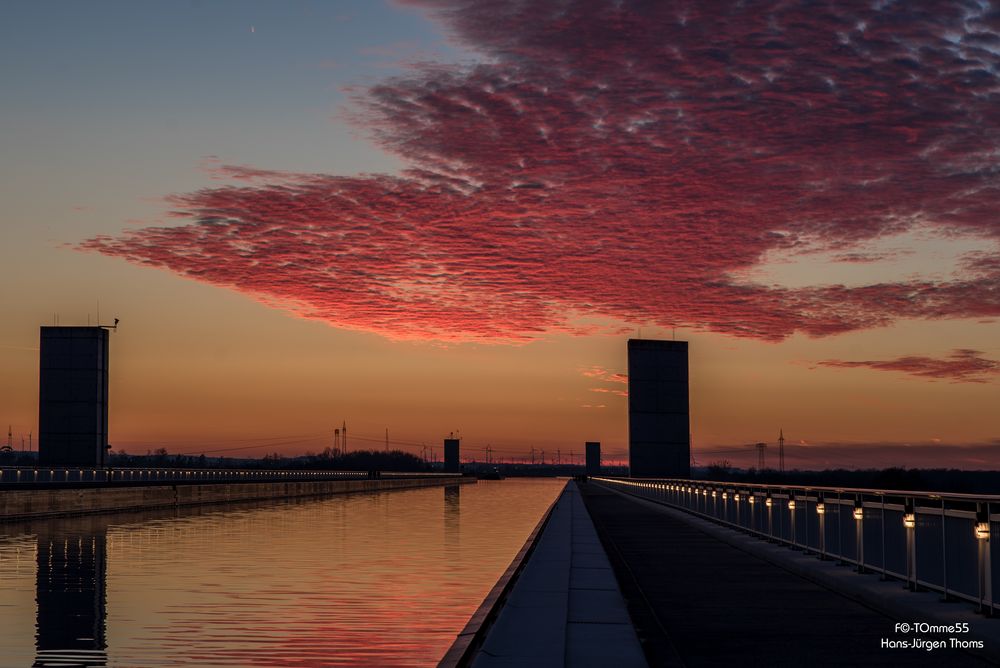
x,y
436,216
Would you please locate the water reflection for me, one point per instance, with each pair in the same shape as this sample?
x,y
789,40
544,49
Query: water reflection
x,y
452,516
368,579
71,594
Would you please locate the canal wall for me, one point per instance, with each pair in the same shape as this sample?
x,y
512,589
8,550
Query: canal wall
x,y
20,504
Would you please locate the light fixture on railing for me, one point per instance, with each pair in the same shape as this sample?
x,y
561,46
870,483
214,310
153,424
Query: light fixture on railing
x,y
724,496
713,493
791,504
820,508
736,496
704,492
767,502
983,530
909,520
859,513
752,499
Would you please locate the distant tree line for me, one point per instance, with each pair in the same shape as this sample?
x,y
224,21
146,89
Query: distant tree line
x,y
358,460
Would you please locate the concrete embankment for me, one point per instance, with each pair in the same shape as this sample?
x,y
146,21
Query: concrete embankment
x,y
19,504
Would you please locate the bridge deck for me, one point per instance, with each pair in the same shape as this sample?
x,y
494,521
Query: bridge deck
x,y
696,601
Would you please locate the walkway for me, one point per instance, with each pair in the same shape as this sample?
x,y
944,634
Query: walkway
x,y
565,608
697,601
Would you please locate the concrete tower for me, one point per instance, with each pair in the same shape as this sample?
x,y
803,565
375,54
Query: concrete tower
x,y
659,431
451,460
73,396
593,457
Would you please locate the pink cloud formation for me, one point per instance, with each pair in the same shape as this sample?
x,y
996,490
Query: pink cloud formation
x,y
966,366
624,160
604,390
603,374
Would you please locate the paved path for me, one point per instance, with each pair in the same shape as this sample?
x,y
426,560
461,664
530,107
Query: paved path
x,y
697,601
565,608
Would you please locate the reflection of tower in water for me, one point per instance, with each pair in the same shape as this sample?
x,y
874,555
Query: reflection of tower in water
x,y
452,515
70,591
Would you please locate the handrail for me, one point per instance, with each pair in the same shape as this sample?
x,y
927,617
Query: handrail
x,y
12,477
958,496
928,540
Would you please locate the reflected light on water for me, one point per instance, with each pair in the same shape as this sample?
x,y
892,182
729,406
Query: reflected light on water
x,y
385,579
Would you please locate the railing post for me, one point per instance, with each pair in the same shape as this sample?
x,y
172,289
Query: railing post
x,y
910,526
791,516
884,575
840,530
805,500
983,538
770,517
859,517
944,552
821,512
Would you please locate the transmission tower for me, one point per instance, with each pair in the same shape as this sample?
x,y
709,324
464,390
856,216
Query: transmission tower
x,y
760,455
781,450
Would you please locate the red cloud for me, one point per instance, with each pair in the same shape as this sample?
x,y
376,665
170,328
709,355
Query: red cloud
x,y
625,160
603,374
961,366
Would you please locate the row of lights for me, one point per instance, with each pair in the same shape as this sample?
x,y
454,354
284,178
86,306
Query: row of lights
x,y
982,529
147,472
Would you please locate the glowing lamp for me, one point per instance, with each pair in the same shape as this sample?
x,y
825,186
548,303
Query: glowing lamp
x,y
909,520
820,508
724,496
752,499
767,502
983,530
859,513
791,504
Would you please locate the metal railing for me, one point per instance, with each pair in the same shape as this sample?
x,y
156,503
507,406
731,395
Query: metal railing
x,y
14,477
927,540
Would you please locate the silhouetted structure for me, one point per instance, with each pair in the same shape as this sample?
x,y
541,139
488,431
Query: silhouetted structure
x,y
73,396
781,450
658,423
593,457
451,463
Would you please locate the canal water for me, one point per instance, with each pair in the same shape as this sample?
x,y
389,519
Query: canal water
x,y
377,579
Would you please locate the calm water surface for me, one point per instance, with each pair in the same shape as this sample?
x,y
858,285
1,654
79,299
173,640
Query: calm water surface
x,y
383,579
